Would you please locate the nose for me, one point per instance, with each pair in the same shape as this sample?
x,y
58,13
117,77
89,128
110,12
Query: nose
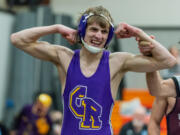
x,y
98,34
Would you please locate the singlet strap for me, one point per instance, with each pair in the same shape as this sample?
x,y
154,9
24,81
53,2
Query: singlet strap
x,y
106,55
176,80
76,52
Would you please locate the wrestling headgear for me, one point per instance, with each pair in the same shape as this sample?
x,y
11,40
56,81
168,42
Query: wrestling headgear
x,y
83,24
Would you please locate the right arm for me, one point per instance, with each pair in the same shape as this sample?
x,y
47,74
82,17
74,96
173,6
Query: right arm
x,y
157,113
27,40
159,87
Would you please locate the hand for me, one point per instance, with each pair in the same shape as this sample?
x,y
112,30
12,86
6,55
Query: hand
x,y
68,33
145,47
125,30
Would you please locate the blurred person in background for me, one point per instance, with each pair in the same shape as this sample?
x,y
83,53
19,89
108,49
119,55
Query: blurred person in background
x,y
90,76
138,124
34,119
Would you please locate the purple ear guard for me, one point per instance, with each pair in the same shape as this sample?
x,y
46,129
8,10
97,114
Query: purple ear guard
x,y
83,24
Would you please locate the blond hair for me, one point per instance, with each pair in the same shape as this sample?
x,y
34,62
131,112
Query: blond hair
x,y
97,12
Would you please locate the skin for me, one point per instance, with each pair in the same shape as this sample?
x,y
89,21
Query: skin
x,y
27,40
161,106
165,93
160,87
39,109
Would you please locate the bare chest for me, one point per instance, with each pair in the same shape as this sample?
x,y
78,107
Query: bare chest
x,y
89,68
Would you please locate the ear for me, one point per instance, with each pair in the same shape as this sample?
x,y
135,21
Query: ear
x,y
110,36
82,25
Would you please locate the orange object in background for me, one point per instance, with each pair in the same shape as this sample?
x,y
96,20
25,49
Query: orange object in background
x,y
143,94
128,94
163,126
116,119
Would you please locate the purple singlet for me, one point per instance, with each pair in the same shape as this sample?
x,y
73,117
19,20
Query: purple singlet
x,y
173,118
87,100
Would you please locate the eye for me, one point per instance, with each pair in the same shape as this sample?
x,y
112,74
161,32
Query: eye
x,y
94,29
105,31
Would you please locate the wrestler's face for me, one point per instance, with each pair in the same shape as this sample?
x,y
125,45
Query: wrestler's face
x,y
96,35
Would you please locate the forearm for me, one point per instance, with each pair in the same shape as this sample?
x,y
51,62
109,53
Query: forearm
x,y
162,56
153,129
159,53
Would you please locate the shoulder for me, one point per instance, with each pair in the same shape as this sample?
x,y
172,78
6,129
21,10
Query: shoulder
x,y
63,50
123,56
63,53
120,59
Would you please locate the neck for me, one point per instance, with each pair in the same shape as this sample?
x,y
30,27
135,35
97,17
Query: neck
x,y
85,54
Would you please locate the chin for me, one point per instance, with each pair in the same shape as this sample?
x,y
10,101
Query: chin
x,y
96,46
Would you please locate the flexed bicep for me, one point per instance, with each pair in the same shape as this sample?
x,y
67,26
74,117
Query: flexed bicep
x,y
140,63
48,52
43,50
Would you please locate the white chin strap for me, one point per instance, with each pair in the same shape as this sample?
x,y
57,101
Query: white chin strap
x,y
90,48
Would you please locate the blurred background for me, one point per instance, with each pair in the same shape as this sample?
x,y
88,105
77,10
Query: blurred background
x,y
23,76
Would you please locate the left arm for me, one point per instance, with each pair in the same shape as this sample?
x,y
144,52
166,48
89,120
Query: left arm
x,y
161,58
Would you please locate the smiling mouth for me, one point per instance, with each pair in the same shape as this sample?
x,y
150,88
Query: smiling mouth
x,y
95,43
